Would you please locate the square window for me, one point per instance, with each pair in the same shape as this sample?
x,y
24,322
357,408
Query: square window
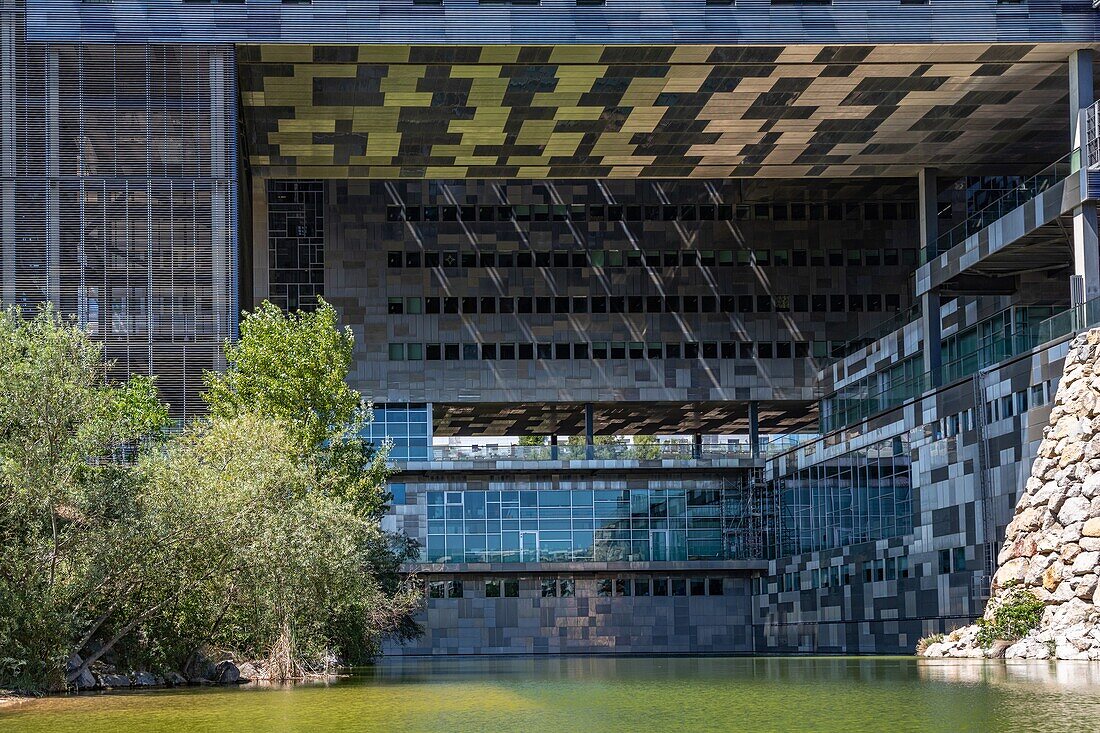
x,y
567,588
526,352
561,351
715,586
437,589
507,352
678,587
641,586
470,352
580,304
394,259
603,587
396,306
580,351
489,352
434,352
467,259
506,305
414,352
397,352
450,352
487,259
431,305
672,351
697,586
549,587
660,586
544,351
622,586
488,305
599,349
454,588
469,304
511,588
492,588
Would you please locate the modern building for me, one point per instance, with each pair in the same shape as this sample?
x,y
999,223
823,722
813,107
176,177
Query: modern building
x,y
696,326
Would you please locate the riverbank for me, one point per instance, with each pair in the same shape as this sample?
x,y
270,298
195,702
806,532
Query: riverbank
x,y
9,699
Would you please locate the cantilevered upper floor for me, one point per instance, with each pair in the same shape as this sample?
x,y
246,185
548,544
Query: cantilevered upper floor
x,y
571,22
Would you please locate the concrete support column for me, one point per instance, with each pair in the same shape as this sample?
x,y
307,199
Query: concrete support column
x,y
589,429
930,302
7,157
754,428
1086,250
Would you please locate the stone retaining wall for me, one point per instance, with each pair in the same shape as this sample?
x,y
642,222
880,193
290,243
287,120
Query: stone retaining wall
x,y
1052,545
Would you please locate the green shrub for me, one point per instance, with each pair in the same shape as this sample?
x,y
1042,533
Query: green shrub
x,y
927,641
1018,614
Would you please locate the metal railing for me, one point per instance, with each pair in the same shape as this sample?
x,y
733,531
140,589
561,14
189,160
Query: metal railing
x,y
1028,189
858,401
680,451
1069,322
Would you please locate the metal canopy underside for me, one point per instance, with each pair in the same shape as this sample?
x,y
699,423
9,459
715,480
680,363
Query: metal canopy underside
x,y
651,418
444,112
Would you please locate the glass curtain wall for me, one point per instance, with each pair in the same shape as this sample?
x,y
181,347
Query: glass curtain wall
x,y
588,524
857,497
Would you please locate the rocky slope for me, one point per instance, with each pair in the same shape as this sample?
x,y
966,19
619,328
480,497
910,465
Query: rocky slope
x,y
1052,545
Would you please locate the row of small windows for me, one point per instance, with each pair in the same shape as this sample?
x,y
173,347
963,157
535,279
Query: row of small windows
x,y
559,587
835,576
1000,408
852,303
852,211
608,350
853,257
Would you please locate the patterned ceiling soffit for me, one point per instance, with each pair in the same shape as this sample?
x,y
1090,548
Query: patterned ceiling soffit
x,y
677,111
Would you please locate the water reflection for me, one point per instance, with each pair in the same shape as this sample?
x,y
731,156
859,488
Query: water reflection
x,y
612,695
1063,675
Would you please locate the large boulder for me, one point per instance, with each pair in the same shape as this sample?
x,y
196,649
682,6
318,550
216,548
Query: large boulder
x,y
85,680
227,673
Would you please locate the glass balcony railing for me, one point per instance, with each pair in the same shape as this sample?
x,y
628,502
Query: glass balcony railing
x,y
684,451
1017,197
866,397
1070,321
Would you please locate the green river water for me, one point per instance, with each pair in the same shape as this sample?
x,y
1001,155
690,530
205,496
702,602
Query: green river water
x,y
597,694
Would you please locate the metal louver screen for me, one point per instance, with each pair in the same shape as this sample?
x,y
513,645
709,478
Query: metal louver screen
x,y
119,199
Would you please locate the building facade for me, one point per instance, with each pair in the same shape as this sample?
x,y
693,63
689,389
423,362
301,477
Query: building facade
x,y
701,327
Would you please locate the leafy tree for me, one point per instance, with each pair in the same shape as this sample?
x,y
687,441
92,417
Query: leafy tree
x,y
254,532
647,447
62,428
293,367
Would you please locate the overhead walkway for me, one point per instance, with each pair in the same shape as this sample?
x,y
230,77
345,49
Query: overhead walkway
x,y
1028,229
